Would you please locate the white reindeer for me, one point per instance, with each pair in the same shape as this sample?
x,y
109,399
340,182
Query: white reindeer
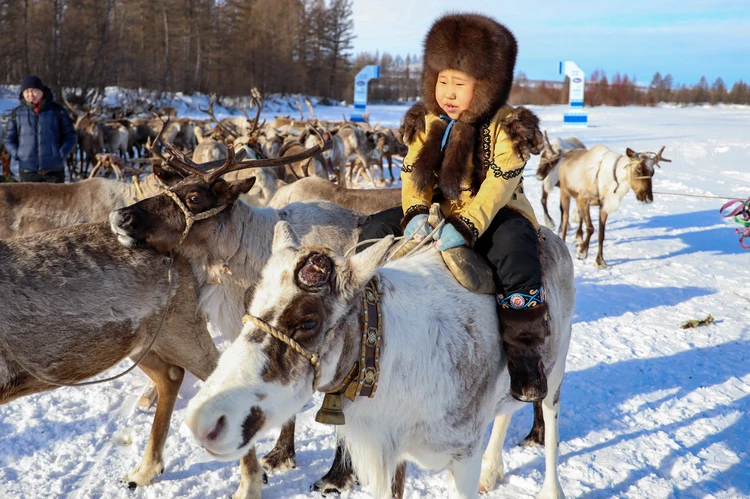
x,y
442,372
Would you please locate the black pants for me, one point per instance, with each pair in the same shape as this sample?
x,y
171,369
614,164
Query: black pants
x,y
55,177
510,244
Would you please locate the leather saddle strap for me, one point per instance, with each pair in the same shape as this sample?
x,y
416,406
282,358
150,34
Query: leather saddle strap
x,y
372,337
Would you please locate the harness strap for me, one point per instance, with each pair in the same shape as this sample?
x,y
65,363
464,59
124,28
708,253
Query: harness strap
x,y
191,218
289,341
362,379
138,190
614,174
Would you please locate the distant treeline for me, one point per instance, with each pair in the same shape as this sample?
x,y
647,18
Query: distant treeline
x,y
228,46
232,46
623,91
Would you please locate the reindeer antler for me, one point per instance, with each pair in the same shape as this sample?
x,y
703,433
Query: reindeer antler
x,y
67,104
299,108
153,148
659,157
546,140
310,107
210,112
94,98
257,102
211,171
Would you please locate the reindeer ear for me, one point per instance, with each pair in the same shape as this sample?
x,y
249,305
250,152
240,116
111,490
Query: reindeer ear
x,y
284,237
232,190
364,265
631,153
166,174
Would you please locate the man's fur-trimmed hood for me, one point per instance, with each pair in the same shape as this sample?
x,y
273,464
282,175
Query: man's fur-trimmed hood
x,y
479,46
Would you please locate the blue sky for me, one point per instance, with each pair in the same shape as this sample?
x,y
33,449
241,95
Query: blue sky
x,y
688,38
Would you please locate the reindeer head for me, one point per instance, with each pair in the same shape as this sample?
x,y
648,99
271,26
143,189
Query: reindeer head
x,y
165,222
642,170
549,157
374,140
159,222
308,295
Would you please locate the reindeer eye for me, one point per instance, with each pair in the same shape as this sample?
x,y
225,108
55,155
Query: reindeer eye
x,y
194,199
309,325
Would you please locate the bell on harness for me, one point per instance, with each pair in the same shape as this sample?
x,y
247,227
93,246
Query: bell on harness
x,y
331,412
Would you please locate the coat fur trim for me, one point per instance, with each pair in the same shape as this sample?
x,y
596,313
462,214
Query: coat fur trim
x,y
411,212
522,128
430,158
479,46
414,123
449,168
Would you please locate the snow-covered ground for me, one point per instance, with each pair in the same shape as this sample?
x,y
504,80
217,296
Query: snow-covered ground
x,y
649,410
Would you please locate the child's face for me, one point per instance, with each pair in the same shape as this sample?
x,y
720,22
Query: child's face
x,y
454,91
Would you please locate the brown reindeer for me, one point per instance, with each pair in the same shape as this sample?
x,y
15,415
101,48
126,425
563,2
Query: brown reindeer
x,y
90,132
390,146
77,294
293,171
30,208
601,177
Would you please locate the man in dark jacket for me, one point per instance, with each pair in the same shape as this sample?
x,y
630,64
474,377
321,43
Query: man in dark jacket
x,y
40,134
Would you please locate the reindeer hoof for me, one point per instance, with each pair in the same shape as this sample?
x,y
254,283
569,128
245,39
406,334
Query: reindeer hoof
x,y
491,473
532,440
144,474
279,460
334,483
601,264
581,255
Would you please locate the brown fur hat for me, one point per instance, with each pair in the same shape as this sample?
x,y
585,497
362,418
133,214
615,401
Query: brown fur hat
x,y
479,46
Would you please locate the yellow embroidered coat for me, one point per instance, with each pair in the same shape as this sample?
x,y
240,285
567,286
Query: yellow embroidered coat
x,y
503,185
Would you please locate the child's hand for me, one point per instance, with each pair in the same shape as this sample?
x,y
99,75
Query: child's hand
x,y
449,237
414,223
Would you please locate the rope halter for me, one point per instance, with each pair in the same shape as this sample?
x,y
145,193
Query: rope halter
x,y
313,357
191,218
138,189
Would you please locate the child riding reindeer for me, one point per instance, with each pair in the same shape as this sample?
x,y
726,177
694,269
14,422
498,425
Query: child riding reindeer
x,y
467,151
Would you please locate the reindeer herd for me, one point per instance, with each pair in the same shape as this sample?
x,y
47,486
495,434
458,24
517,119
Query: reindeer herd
x,y
114,140
239,217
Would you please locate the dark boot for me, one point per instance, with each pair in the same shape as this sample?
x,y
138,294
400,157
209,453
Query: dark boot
x,y
524,331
